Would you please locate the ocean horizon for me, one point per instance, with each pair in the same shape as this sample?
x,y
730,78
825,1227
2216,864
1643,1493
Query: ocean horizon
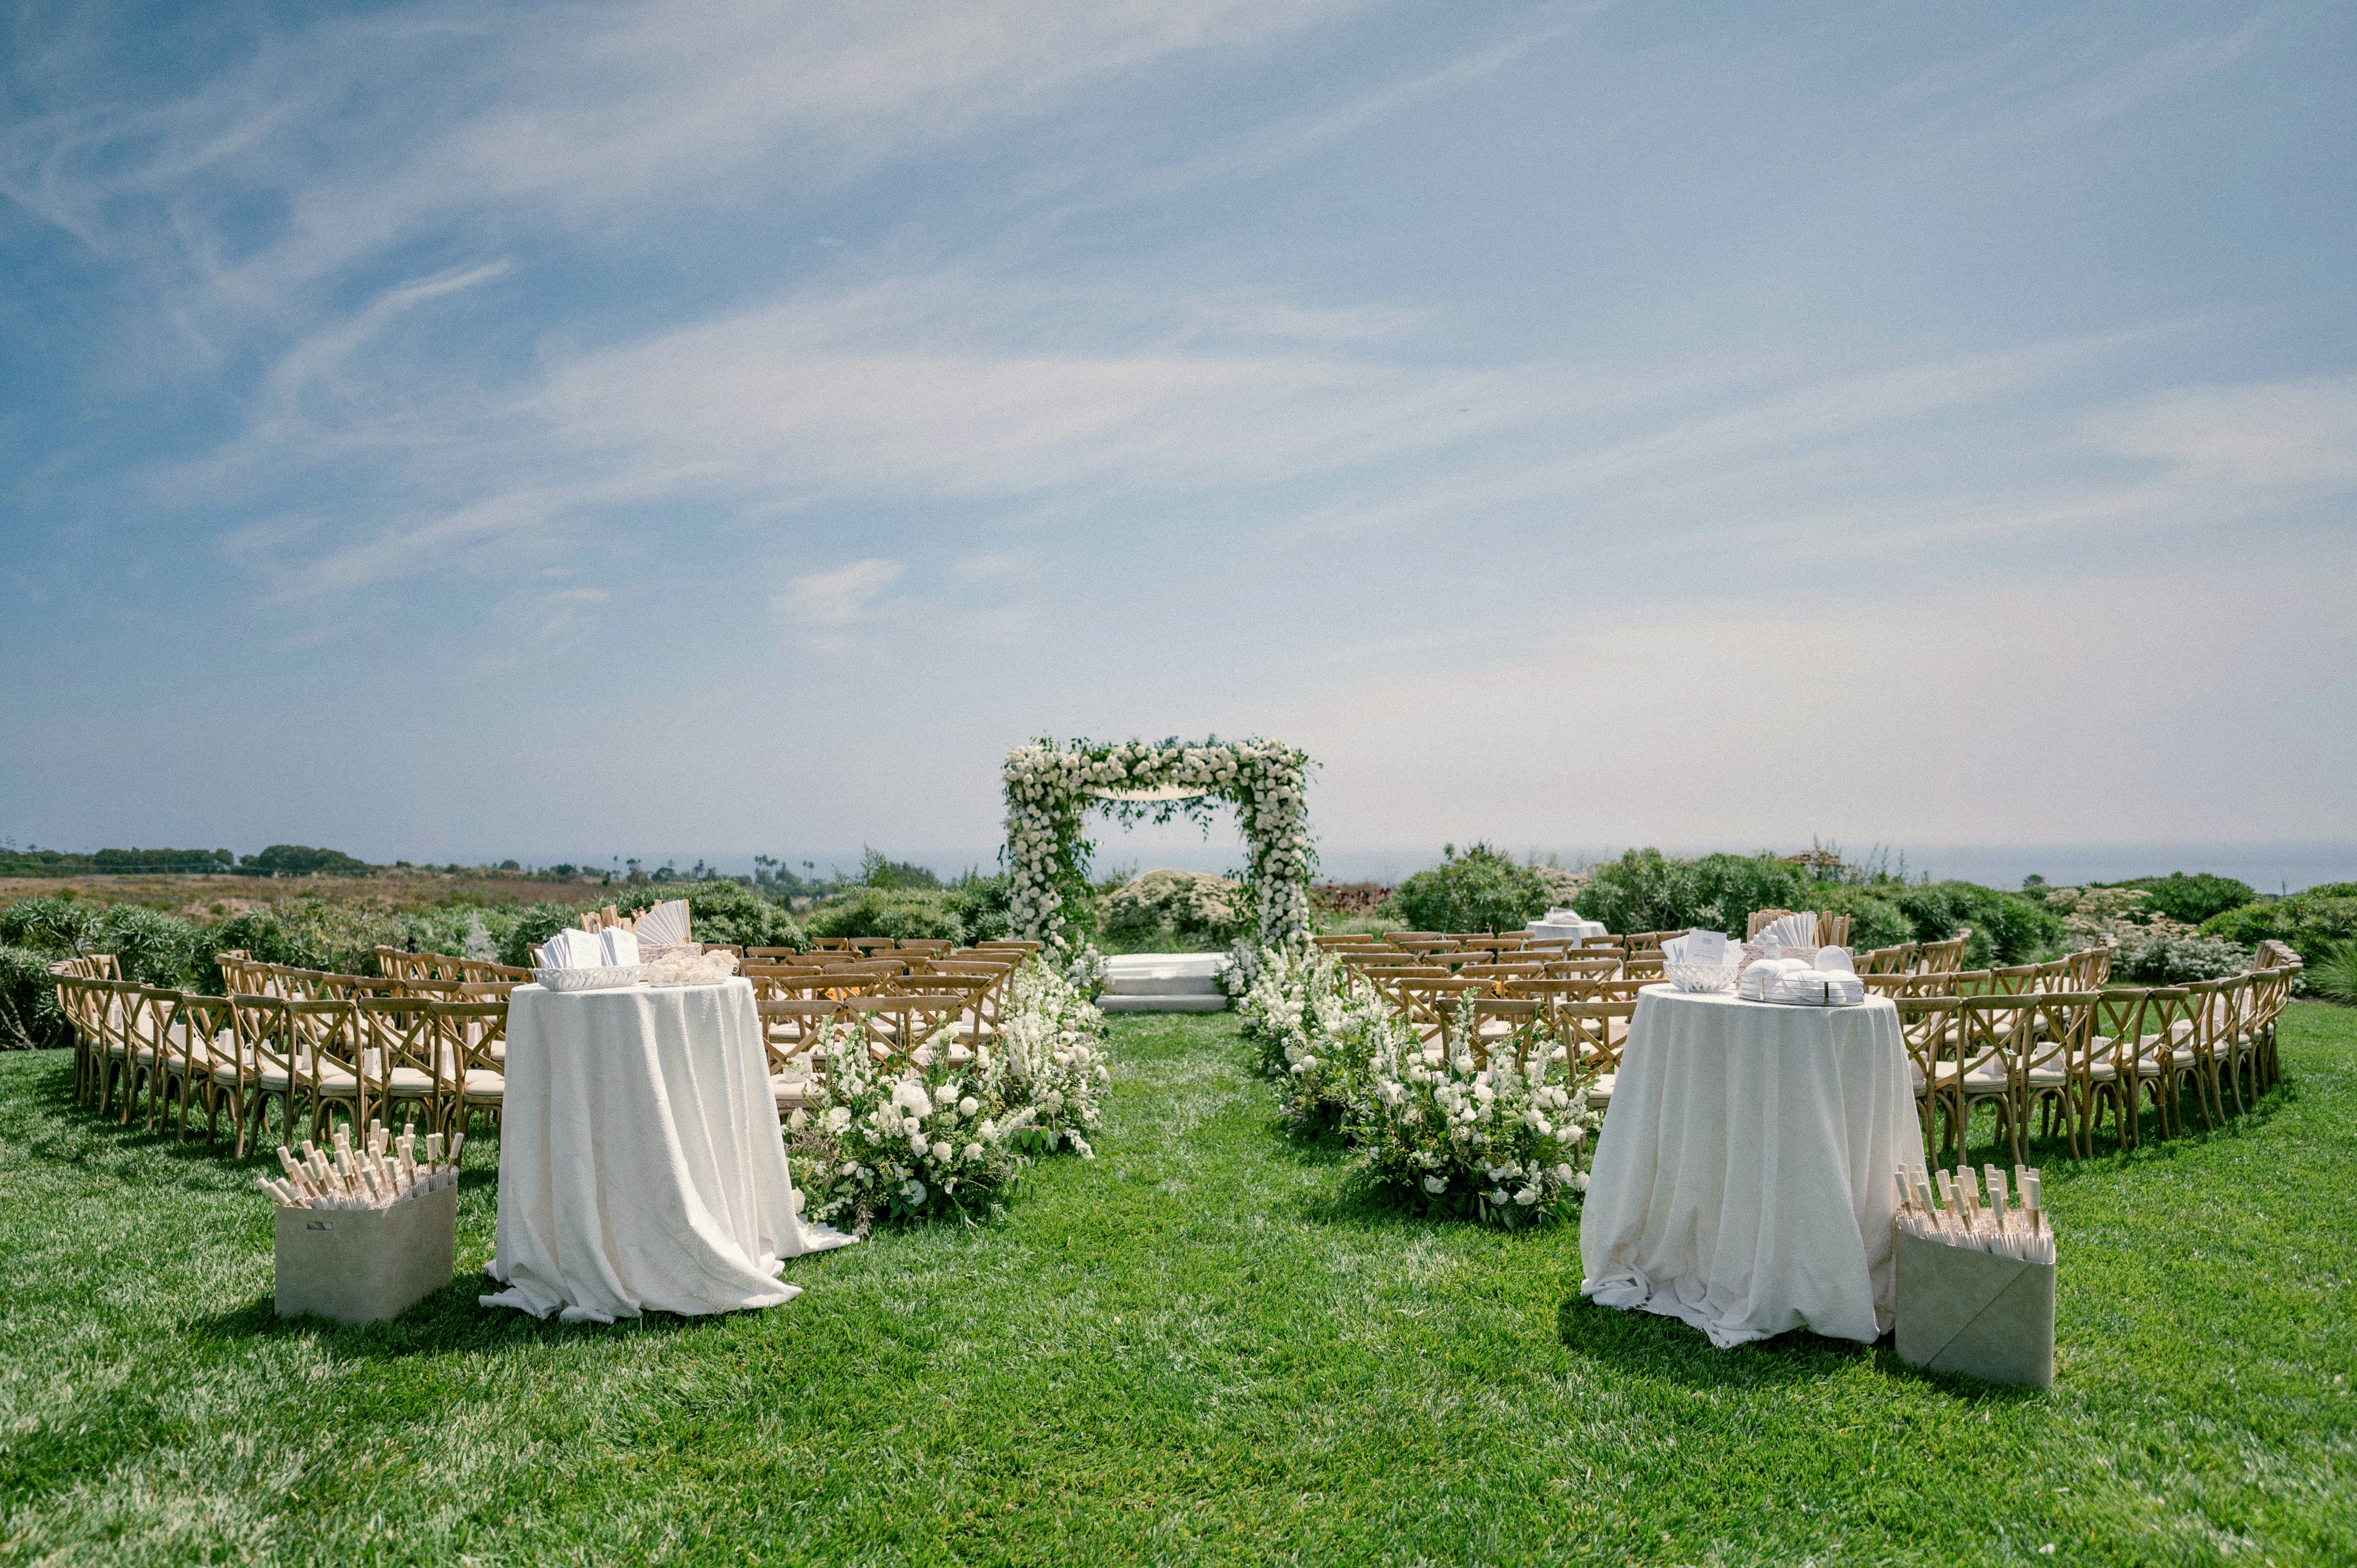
x,y
2278,867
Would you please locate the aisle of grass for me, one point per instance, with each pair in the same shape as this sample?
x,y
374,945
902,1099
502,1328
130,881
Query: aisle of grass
x,y
1205,1347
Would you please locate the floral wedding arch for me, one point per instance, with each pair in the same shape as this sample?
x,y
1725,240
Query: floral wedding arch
x,y
1051,788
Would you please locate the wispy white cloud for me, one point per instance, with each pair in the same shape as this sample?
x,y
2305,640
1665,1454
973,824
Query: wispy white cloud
x,y
838,599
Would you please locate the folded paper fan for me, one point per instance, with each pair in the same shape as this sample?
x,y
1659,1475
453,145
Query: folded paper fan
x,y
660,929
1792,931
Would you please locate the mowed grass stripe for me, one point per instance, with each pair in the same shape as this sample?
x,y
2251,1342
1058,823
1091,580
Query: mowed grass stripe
x,y
1208,1345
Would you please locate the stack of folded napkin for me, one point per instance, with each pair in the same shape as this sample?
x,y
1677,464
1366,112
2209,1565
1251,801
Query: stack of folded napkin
x,y
610,948
1830,982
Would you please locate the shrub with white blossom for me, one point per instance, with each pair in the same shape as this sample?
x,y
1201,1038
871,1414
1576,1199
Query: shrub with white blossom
x,y
1292,996
1052,1046
947,1130
1050,789
1498,1141
928,1141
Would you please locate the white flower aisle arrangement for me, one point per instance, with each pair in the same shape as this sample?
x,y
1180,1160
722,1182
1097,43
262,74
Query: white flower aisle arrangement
x,y
1050,789
1052,1040
1498,1141
949,1132
1495,1142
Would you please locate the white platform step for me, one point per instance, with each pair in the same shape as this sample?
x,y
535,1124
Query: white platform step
x,y
1192,1002
1164,982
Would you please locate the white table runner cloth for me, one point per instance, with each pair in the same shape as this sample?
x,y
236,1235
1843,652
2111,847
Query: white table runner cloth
x,y
1742,1180
640,1161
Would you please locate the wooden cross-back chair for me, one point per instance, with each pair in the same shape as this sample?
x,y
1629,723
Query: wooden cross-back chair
x,y
401,1054
146,1020
1895,959
2017,1051
205,1042
472,1037
1944,957
1512,1025
894,1027
1592,1035
791,1031
2270,990
1927,1026
115,1013
1909,983
2144,1028
1425,1000
1646,964
325,1031
264,1067
78,1000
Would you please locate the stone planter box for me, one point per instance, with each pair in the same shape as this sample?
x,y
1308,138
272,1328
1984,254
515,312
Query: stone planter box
x,y
1975,1314
366,1264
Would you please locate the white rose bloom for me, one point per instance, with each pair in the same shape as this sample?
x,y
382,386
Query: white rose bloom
x,y
1563,1175
1434,1184
945,1096
915,1191
1527,1196
1579,1182
940,1151
973,1153
968,1106
1495,1194
916,1145
839,1119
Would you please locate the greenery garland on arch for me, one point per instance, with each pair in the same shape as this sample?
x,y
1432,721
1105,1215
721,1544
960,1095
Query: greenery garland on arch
x,y
1051,789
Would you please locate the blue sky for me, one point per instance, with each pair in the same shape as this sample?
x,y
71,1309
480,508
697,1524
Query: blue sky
x,y
561,431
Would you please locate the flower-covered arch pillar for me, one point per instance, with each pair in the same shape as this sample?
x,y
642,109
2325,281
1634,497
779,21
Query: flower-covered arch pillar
x,y
1051,788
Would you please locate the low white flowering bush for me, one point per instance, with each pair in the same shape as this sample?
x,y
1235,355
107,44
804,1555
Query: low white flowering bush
x,y
1086,972
1326,1074
1499,1143
1295,997
2147,947
1050,1046
929,1141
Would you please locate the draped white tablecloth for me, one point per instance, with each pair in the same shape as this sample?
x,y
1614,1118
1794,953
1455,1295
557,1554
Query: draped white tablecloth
x,y
1577,930
1742,1180
640,1161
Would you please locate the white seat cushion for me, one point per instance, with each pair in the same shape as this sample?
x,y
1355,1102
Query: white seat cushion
x,y
482,1083
1600,1091
793,1091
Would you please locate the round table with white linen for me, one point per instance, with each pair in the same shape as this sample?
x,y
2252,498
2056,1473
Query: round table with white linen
x,y
1742,1180
640,1161
1578,930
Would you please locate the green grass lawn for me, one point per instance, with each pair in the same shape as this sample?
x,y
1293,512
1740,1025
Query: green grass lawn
x,y
1204,1347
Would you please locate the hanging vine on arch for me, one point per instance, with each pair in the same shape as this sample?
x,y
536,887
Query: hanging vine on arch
x,y
1051,789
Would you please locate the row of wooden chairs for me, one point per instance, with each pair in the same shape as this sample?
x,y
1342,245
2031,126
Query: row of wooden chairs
x,y
164,1054
2071,1056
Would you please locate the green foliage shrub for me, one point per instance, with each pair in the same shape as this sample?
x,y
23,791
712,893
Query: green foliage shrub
x,y
1186,909
2314,923
1481,890
30,1018
1646,890
2191,900
2334,977
883,912
980,904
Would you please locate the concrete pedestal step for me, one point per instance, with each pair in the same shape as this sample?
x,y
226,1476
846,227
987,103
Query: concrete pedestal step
x,y
1193,1002
1164,982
